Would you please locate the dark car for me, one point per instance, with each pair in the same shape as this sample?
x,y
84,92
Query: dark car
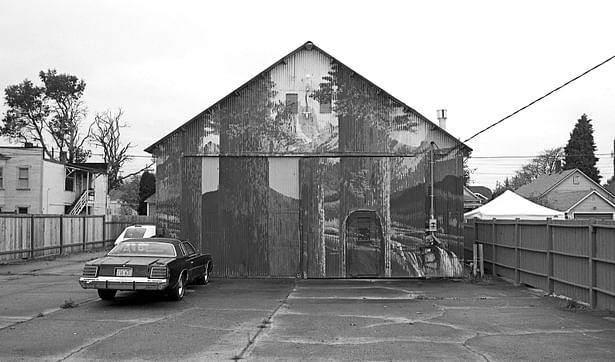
x,y
161,264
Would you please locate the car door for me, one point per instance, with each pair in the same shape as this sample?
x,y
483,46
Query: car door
x,y
194,260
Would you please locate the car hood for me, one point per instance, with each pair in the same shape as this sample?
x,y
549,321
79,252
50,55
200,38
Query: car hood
x,y
132,260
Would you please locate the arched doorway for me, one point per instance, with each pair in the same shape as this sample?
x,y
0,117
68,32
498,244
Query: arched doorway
x,y
364,241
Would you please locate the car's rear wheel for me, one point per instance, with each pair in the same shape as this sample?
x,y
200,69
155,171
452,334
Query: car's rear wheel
x,y
204,279
177,292
107,294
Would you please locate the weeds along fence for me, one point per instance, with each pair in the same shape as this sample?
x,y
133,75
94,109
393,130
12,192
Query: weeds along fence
x,y
573,258
33,236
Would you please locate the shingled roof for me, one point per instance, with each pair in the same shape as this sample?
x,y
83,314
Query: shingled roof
x,y
543,184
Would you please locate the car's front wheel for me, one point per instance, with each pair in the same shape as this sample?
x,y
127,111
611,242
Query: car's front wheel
x,y
106,294
177,292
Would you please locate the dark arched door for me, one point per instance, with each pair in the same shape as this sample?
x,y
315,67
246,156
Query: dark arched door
x,y
364,244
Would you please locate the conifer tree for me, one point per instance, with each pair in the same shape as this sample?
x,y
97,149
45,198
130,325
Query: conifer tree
x,y
580,150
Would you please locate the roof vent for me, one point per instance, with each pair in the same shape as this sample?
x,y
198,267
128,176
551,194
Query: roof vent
x,y
442,118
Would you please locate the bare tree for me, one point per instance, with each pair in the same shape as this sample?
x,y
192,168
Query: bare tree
x,y
547,163
106,132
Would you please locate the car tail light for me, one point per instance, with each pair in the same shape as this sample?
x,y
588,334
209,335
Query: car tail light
x,y
158,272
90,271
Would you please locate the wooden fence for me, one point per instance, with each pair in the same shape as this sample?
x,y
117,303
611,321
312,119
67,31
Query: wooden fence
x,y
33,236
573,258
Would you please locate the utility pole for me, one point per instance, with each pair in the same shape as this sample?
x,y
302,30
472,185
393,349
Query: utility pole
x,y
433,226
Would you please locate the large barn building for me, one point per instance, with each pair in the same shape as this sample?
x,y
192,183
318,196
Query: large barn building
x,y
311,170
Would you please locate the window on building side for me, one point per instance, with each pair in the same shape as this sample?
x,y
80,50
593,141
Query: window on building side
x,y
325,106
1,178
69,183
292,102
22,210
575,179
23,178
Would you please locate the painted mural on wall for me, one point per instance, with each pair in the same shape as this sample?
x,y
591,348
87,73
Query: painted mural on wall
x,y
359,211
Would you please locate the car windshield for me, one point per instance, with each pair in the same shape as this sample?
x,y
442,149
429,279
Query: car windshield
x,y
134,233
140,248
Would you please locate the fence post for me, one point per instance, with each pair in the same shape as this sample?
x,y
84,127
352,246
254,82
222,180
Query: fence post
x,y
83,220
493,247
474,258
61,234
517,261
549,257
481,257
104,231
32,236
592,266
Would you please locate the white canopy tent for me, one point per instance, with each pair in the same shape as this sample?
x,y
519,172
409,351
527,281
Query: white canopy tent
x,y
512,206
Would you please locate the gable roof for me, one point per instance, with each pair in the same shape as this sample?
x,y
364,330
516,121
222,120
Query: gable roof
x,y
482,190
593,192
564,201
308,46
469,196
547,183
543,184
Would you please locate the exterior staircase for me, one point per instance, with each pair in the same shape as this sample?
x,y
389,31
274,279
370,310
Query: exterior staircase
x,y
80,203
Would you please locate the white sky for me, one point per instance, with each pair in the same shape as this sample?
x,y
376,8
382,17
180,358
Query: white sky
x,y
163,62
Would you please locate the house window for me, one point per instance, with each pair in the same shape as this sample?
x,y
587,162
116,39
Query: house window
x,y
69,183
575,179
1,177
22,210
23,178
325,105
292,102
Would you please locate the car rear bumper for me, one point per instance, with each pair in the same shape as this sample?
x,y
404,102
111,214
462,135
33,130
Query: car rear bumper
x,y
134,283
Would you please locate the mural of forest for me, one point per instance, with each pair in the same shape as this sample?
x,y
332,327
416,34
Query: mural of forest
x,y
360,200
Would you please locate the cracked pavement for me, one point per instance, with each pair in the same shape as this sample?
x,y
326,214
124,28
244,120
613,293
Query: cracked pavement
x,y
285,319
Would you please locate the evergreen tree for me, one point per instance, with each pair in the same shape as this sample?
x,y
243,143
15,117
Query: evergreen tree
x,y
147,187
580,150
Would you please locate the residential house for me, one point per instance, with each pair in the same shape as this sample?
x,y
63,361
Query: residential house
x,y
33,184
482,192
150,203
471,200
117,206
572,192
309,169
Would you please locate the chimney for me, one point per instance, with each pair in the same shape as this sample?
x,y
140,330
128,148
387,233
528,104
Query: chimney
x,y
28,144
442,118
63,156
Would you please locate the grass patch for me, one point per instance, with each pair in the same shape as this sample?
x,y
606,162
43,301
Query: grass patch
x,y
69,304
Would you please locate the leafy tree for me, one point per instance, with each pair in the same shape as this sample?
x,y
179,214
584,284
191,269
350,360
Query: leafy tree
x,y
64,92
130,191
580,150
610,185
49,115
147,187
547,163
26,120
467,171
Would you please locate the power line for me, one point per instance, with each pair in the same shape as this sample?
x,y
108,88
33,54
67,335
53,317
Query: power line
x,y
535,156
541,98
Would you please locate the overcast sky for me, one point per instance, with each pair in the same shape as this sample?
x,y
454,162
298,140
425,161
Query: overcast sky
x,y
163,62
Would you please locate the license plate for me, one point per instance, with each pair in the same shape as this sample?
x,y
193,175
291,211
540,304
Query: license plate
x,y
123,272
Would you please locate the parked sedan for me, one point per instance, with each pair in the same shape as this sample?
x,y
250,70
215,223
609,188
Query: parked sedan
x,y
161,264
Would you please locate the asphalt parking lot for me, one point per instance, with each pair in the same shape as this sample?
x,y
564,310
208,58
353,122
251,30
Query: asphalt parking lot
x,y
286,319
